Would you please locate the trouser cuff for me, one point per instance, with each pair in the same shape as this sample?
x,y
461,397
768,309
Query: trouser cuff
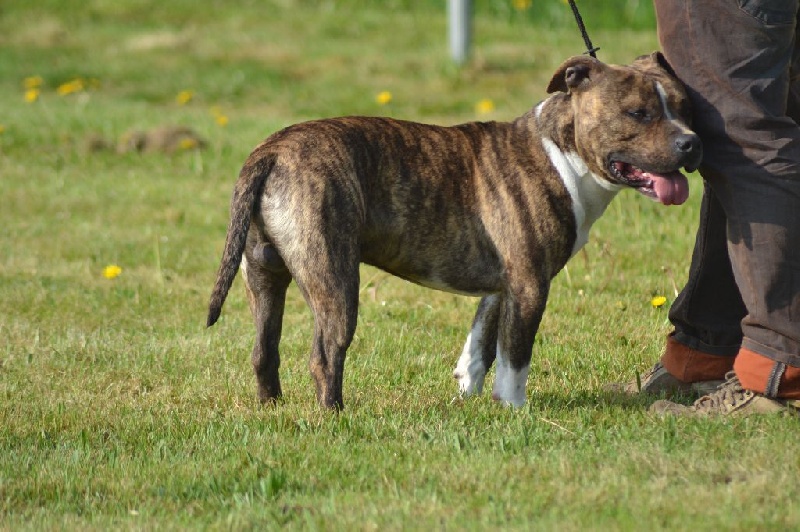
x,y
760,374
690,365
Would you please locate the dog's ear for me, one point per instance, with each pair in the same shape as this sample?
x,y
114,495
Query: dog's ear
x,y
659,58
656,59
574,73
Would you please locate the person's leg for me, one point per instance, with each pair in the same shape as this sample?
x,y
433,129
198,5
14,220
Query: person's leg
x,y
752,366
742,90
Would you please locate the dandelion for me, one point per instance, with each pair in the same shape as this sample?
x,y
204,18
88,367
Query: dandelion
x,y
188,143
112,271
383,97
2,129
31,95
184,97
658,301
219,117
484,107
522,5
32,82
70,87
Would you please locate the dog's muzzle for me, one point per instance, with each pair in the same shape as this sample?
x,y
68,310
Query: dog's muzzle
x,y
666,185
689,147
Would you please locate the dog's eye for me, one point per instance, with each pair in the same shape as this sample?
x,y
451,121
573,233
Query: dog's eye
x,y
639,114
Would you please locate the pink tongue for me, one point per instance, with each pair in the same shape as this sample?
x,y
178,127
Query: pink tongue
x,y
670,189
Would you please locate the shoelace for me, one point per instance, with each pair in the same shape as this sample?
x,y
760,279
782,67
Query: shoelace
x,y
728,395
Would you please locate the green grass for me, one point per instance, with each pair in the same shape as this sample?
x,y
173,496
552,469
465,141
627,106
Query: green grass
x,y
119,410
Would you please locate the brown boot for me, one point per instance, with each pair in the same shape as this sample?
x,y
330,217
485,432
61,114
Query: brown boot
x,y
658,381
681,370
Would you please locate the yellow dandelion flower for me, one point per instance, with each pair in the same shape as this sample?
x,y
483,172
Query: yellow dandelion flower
x,y
484,107
219,117
32,82
383,97
2,129
658,301
522,5
112,271
70,87
31,95
188,143
184,97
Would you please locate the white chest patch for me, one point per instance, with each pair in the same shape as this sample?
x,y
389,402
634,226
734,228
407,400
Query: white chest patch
x,y
590,194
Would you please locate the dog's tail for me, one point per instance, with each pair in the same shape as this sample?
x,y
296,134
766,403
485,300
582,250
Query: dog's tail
x,y
244,201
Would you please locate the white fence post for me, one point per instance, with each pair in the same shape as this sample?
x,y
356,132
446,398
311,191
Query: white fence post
x,y
459,18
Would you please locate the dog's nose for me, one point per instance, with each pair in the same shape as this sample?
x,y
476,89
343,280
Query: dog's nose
x,y
691,148
687,143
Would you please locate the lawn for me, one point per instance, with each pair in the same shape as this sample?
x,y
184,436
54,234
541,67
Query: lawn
x,y
119,410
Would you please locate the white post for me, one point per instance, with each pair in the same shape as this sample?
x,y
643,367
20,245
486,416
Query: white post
x,y
459,18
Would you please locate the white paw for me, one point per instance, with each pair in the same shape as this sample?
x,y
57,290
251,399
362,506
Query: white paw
x,y
509,384
470,372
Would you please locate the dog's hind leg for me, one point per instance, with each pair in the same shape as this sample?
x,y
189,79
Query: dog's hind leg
x,y
480,348
266,282
335,309
330,286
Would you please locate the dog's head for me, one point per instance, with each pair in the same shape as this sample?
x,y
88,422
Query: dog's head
x,y
632,124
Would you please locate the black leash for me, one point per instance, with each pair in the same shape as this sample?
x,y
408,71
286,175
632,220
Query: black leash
x,y
589,48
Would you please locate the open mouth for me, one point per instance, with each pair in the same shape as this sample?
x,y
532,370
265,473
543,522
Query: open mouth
x,y
670,188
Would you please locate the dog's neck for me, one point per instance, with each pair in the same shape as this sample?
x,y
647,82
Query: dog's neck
x,y
591,194
554,118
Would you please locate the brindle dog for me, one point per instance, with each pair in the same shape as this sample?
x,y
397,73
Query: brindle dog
x,y
486,209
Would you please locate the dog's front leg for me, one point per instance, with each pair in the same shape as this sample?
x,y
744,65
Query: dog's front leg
x,y
480,348
520,313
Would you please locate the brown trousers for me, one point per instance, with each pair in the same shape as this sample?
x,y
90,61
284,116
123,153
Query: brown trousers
x,y
740,61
